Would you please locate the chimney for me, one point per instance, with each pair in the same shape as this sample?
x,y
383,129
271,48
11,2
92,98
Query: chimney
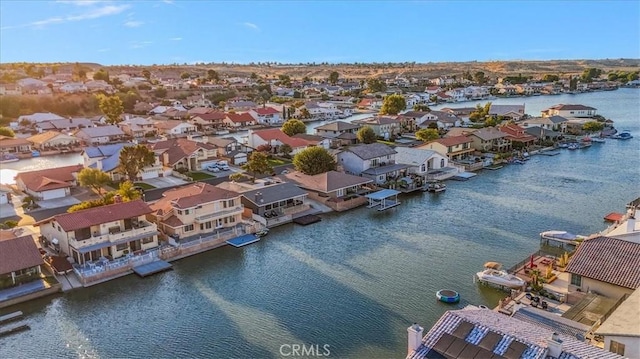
x,y
631,221
554,346
415,337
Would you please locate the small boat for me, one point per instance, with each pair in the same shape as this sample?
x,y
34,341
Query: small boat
x,y
35,153
563,145
493,275
624,135
262,233
573,146
598,140
8,157
448,296
562,237
436,187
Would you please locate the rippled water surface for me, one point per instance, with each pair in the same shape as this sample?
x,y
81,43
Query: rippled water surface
x,y
354,281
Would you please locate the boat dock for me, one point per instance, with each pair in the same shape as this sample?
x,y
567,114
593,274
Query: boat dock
x,y
614,217
154,267
385,199
307,219
463,176
549,153
494,167
243,240
11,316
13,329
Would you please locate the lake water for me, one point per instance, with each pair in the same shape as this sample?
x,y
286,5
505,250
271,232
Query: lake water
x,y
354,281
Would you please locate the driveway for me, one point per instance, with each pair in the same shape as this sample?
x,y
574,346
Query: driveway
x,y
164,182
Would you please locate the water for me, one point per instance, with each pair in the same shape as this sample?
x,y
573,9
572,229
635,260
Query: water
x,y
9,170
354,281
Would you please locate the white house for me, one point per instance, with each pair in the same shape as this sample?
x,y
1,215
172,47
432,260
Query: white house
x,y
421,160
175,127
374,160
621,330
569,111
266,115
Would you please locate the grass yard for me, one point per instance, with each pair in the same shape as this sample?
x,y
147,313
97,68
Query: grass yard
x,y
144,186
199,176
278,162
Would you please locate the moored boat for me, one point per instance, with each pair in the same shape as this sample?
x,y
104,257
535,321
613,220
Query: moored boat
x,y
493,275
435,187
8,157
598,140
561,238
624,135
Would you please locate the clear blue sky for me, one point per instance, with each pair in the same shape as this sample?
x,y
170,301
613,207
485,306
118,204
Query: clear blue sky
x,y
164,32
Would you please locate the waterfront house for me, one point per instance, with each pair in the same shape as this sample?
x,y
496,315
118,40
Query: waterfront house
x,y
110,231
196,209
340,191
383,126
49,183
238,120
455,148
375,161
275,138
14,145
275,204
370,104
490,139
66,125
516,133
512,112
607,266
423,161
569,111
444,120
266,115
99,135
482,333
343,132
20,259
621,330
107,159
138,127
181,153
542,134
240,105
175,127
210,121
555,123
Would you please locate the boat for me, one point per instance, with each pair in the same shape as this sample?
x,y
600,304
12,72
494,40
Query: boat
x,y
8,157
563,145
624,135
494,275
573,146
435,187
35,153
598,140
448,296
262,233
563,238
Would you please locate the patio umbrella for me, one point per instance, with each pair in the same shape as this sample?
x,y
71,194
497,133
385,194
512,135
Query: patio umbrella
x,y
531,262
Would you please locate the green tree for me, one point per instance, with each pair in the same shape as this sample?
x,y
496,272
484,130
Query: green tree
x,y
185,75
593,126
333,77
550,78
147,74
93,178
160,92
111,107
427,134
254,76
393,104
128,192
479,78
591,73
101,74
433,125
314,160
421,107
236,177
6,131
304,113
480,113
258,164
285,80
286,150
573,83
376,85
133,159
366,135
293,127
212,75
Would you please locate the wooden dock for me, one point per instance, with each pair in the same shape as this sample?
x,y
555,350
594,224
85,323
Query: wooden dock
x,y
13,329
307,219
11,316
154,267
243,240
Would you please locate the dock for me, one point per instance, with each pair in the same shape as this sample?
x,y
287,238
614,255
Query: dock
x,y
13,329
494,167
243,240
385,199
549,153
307,219
613,217
463,176
11,316
154,267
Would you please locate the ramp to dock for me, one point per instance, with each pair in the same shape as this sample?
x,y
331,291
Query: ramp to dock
x,y
243,240
154,267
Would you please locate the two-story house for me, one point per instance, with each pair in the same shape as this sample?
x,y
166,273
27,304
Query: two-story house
x,y
490,139
551,123
422,161
276,203
100,135
383,126
569,111
375,161
513,112
196,209
230,149
179,153
455,147
238,120
275,138
517,134
110,231
137,127
210,121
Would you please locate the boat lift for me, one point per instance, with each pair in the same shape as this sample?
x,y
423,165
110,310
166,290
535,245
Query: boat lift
x,y
385,199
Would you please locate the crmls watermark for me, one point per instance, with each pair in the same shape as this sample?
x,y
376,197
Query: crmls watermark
x,y
305,350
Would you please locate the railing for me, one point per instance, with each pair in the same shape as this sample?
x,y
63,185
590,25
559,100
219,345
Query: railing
x,y
113,237
97,268
219,213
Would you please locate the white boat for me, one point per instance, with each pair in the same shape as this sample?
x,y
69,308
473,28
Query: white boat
x,y
561,238
435,187
8,157
500,278
598,140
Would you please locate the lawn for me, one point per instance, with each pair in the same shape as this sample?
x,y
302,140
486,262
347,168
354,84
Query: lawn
x,y
278,162
144,186
199,176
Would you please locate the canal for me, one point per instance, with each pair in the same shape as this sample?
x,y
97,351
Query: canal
x,y
354,281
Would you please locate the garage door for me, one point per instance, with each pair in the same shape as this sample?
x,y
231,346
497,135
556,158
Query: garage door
x,y
52,194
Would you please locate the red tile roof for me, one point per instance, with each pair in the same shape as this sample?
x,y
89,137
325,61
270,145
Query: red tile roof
x,y
266,111
48,179
211,116
454,140
18,253
98,215
608,260
173,221
240,117
179,148
276,134
190,196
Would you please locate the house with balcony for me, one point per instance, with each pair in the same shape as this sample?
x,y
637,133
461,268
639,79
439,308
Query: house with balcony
x,y
455,147
383,126
551,123
110,231
14,145
490,139
49,183
427,164
197,209
177,153
208,122
266,115
343,132
337,190
518,134
138,127
512,112
20,260
375,161
621,330
275,204
580,111
99,135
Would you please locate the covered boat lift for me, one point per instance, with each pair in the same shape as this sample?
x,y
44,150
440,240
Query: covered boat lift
x,y
385,199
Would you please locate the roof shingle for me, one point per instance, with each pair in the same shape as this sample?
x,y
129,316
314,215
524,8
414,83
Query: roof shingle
x,y
18,253
98,215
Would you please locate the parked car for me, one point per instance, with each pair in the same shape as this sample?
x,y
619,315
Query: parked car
x,y
223,166
213,168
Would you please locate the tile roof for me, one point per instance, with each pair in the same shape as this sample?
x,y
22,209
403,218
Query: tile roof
x,y
326,182
46,136
501,335
178,148
488,134
11,142
414,156
276,134
173,221
18,253
504,109
338,126
553,322
240,117
191,196
273,193
211,116
170,124
608,260
49,179
453,140
109,130
311,139
569,107
98,215
371,150
265,111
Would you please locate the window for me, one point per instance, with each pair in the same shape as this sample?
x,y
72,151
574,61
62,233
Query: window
x,y
207,225
147,240
179,211
186,211
449,149
576,280
423,167
442,162
616,347
122,246
188,228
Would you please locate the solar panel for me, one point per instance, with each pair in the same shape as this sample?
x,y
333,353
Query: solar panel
x,y
463,329
444,342
490,340
515,350
455,348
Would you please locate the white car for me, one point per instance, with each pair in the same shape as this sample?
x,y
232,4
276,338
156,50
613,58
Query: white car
x,y
213,168
223,167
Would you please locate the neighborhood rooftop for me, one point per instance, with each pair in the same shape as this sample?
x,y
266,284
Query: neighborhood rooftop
x,y
372,150
98,215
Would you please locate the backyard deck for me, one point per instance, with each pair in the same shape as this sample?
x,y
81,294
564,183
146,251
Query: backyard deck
x,y
154,267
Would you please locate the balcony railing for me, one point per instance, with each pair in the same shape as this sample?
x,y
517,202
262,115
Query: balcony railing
x,y
223,213
146,228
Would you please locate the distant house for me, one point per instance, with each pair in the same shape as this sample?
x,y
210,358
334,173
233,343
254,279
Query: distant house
x,y
48,183
275,138
555,123
569,111
19,258
240,105
607,266
335,129
516,133
229,149
209,121
422,161
107,159
455,147
236,120
197,209
40,117
137,127
112,231
98,85
313,140
175,127
266,115
73,87
66,125
180,153
490,139
14,145
383,126
52,140
513,112
370,104
10,89
375,161
621,330
335,189
100,135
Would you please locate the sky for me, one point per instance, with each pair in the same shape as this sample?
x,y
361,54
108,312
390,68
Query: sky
x,y
173,31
